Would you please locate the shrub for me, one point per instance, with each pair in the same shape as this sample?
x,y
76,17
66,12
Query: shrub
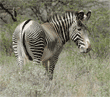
x,y
99,28
6,36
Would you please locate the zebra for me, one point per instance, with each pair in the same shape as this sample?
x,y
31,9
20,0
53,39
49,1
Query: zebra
x,y
43,43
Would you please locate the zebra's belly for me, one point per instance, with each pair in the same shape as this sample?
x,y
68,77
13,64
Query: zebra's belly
x,y
46,54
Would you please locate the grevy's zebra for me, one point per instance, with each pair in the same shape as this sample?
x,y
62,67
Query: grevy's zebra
x,y
43,43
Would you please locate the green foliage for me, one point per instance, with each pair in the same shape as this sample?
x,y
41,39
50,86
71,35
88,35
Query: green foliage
x,y
6,40
101,47
6,36
99,26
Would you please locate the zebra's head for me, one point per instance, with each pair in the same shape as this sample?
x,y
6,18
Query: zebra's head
x,y
78,31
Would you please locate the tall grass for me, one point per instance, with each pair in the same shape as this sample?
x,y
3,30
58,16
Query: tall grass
x,y
75,75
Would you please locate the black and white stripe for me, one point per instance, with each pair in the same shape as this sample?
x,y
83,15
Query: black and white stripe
x,y
45,42
61,24
76,37
27,42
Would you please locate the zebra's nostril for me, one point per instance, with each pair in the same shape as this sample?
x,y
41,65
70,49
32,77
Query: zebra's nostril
x,y
88,49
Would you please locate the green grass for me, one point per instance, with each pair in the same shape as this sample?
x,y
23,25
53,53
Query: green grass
x,y
75,75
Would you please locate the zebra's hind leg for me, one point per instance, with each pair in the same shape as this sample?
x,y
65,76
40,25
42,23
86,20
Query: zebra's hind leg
x,y
44,63
49,66
22,61
46,66
52,62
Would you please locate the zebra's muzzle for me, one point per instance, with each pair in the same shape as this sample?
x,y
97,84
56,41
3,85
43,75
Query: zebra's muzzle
x,y
85,50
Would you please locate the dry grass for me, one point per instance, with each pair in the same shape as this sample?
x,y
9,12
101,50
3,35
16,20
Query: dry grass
x,y
74,76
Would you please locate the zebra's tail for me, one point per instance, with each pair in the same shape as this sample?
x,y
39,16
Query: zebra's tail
x,y
18,45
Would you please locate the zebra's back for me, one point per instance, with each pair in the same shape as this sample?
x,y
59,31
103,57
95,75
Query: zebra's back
x,y
53,41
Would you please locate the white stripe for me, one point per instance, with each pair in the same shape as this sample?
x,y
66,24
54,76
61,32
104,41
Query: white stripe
x,y
62,28
48,65
76,38
63,22
68,19
27,25
71,17
53,23
56,23
57,20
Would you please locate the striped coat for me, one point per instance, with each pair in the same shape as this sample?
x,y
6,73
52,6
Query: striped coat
x,y
44,42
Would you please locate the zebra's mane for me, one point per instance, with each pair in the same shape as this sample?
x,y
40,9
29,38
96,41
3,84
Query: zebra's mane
x,y
64,16
61,15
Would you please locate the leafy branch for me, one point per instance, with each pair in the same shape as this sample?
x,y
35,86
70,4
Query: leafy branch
x,y
12,16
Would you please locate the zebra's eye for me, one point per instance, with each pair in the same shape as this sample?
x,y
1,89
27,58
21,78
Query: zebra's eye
x,y
79,29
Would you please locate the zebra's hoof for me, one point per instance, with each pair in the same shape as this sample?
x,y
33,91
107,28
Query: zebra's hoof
x,y
50,76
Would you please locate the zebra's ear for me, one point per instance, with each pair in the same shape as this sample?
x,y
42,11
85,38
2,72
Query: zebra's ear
x,y
80,15
87,16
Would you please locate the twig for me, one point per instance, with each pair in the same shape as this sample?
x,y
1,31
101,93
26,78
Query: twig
x,y
12,16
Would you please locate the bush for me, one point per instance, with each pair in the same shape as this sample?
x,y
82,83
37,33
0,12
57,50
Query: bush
x,y
6,36
99,28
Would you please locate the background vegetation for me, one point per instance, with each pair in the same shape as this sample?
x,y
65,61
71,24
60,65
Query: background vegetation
x,y
76,75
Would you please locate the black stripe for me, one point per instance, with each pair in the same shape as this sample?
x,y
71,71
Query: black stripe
x,y
67,35
61,31
77,39
30,58
71,19
80,43
26,23
77,35
63,27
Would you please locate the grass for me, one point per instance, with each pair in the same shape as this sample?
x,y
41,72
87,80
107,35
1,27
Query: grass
x,y
75,75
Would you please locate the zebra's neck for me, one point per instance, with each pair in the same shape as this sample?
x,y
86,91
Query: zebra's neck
x,y
61,24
